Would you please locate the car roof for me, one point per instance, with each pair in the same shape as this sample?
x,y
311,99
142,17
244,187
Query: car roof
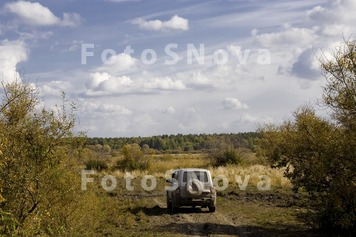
x,y
192,169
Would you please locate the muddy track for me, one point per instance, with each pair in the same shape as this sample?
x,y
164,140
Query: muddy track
x,y
198,222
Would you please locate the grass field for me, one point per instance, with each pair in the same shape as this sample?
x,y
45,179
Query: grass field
x,y
249,212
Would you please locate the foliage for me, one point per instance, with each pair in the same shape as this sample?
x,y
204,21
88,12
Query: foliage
x,y
340,92
227,157
134,158
222,153
39,181
96,164
320,154
179,143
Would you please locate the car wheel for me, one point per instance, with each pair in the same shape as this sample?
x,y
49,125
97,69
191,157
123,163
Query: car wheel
x,y
169,205
212,208
173,206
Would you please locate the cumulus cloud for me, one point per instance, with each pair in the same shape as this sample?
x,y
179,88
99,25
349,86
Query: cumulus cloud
x,y
297,46
306,66
335,18
199,81
233,103
33,13
175,23
11,53
118,63
108,83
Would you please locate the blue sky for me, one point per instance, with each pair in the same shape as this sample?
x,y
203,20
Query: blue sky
x,y
257,60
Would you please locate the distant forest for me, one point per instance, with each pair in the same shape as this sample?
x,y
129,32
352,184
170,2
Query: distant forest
x,y
181,143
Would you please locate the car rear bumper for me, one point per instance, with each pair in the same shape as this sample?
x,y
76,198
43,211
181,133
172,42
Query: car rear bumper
x,y
205,201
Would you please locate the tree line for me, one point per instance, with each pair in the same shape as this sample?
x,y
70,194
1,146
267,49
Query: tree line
x,y
180,143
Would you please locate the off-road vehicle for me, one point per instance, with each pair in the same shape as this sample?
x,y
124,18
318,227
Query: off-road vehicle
x,y
191,187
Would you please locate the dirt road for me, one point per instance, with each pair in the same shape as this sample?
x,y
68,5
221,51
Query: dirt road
x,y
237,214
197,222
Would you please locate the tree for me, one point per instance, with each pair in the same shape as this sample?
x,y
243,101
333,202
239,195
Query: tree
x,y
134,158
319,153
39,186
340,92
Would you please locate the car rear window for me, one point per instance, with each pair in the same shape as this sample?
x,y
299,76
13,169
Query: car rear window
x,y
200,175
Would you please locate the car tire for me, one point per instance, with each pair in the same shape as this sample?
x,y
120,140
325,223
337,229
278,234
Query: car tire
x,y
212,208
169,205
173,207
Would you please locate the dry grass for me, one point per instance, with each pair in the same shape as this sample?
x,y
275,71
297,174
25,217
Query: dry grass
x,y
253,172
142,213
161,165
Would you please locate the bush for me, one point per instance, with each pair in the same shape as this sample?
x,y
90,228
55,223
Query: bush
x,y
320,153
134,158
40,191
95,164
226,157
223,152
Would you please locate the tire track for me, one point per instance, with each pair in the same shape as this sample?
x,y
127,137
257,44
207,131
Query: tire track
x,y
204,224
191,223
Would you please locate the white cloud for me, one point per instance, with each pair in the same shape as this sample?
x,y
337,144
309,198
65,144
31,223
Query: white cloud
x,y
296,50
54,88
233,103
175,23
33,13
108,83
11,53
290,36
71,19
95,106
170,110
255,119
319,14
165,83
199,81
334,20
118,63
185,98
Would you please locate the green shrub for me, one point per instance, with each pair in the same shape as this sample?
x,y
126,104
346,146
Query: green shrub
x,y
134,158
95,164
226,157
